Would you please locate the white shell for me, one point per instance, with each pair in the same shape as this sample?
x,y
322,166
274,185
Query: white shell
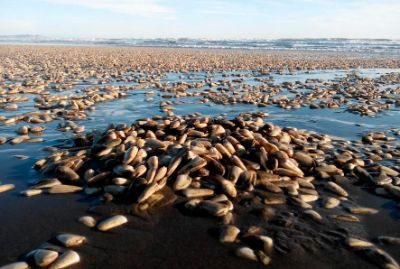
x,y
71,240
67,259
111,223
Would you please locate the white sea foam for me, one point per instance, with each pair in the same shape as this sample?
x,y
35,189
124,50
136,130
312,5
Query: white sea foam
x,y
390,46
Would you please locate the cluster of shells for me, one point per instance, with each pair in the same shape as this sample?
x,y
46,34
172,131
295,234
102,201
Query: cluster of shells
x,y
59,107
212,165
55,254
36,71
364,96
34,64
209,166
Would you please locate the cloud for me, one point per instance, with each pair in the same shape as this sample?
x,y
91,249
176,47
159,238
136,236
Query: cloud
x,y
147,8
339,18
380,20
223,7
205,18
212,11
16,26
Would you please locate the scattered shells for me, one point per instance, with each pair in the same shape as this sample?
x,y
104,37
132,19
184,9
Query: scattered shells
x,y
358,243
59,189
197,193
346,217
229,234
70,240
16,265
336,189
331,202
362,210
6,187
29,193
216,166
67,259
246,253
87,221
44,257
111,223
389,240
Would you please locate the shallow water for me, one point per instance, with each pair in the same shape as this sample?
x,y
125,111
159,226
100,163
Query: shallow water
x,y
336,122
138,104
43,216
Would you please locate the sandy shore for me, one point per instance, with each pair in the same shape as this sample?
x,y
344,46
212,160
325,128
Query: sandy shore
x,y
48,94
171,240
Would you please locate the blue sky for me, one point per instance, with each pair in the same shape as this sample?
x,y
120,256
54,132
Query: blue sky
x,y
202,18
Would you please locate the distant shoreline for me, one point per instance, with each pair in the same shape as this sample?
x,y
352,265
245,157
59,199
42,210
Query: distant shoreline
x,y
371,54
376,46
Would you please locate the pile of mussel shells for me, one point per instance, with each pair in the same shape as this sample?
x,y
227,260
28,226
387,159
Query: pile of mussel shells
x,y
361,95
210,164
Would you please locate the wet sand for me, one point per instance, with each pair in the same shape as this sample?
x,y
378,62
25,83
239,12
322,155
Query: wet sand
x,y
173,238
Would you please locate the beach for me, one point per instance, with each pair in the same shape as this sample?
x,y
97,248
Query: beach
x,y
209,158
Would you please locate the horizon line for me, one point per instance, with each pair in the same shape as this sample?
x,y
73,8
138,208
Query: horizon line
x,y
193,38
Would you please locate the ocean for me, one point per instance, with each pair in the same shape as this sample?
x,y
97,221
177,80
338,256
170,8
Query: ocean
x,y
385,46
